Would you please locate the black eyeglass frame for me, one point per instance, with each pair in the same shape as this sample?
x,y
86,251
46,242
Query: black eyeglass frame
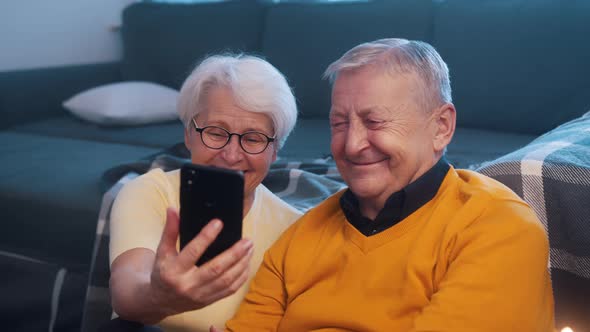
x,y
229,135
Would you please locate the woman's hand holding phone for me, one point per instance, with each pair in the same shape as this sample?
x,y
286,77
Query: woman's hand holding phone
x,y
178,285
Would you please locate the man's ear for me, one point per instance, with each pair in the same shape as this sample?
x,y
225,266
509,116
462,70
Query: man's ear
x,y
445,118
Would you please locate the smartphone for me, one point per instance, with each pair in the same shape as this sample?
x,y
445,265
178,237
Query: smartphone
x,y
208,192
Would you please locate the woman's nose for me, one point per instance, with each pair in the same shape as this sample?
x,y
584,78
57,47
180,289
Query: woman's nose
x,y
233,152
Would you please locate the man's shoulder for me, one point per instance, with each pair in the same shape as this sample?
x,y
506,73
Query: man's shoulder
x,y
325,214
323,220
486,199
479,186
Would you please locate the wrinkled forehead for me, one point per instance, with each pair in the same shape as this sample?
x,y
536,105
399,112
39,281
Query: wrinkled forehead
x,y
373,91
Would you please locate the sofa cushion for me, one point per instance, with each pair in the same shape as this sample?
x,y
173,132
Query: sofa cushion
x,y
50,194
125,103
302,39
516,65
162,42
158,135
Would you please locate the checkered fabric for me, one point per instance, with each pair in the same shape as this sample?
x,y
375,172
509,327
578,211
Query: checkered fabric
x,y
552,174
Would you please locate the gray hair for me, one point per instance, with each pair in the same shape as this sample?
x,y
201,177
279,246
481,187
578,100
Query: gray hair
x,y
395,56
256,85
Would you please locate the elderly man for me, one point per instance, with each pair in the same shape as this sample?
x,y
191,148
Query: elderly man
x,y
413,244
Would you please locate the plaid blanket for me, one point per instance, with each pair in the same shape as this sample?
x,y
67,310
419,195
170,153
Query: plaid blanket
x,y
303,184
552,174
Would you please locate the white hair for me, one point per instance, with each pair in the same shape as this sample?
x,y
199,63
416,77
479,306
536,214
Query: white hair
x,y
396,55
255,84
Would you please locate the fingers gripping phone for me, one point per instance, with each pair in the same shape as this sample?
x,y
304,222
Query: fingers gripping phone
x,y
208,192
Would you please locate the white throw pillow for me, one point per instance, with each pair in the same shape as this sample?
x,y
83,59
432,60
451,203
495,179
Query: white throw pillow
x,y
125,103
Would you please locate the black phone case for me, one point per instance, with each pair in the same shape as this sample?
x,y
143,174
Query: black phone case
x,y
205,193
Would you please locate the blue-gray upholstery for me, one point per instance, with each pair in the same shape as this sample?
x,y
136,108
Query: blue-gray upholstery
x,y
163,42
36,94
518,68
159,135
332,29
50,194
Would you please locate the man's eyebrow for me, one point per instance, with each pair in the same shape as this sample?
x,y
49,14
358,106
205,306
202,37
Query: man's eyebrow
x,y
375,110
337,114
372,110
366,111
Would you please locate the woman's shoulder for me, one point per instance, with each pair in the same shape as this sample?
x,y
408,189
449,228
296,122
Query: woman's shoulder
x,y
268,199
154,182
156,177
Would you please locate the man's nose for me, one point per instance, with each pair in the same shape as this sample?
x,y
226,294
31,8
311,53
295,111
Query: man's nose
x,y
356,138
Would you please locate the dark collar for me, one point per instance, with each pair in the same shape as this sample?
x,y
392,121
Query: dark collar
x,y
399,205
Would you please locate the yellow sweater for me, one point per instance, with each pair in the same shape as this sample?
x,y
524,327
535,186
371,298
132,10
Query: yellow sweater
x,y
474,258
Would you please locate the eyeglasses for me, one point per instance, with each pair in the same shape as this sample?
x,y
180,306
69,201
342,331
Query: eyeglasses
x,y
216,138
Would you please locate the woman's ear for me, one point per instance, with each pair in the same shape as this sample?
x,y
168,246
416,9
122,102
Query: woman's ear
x,y
445,121
275,151
187,138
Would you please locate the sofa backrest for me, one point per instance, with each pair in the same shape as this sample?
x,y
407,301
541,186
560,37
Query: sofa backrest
x,y
29,95
163,42
302,39
516,65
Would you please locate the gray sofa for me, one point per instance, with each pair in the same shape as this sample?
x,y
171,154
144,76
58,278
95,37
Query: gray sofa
x,y
518,69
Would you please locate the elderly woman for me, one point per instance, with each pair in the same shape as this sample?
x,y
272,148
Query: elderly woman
x,y
238,97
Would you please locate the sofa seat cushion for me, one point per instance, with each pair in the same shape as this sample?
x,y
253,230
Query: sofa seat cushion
x,y
50,194
157,135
